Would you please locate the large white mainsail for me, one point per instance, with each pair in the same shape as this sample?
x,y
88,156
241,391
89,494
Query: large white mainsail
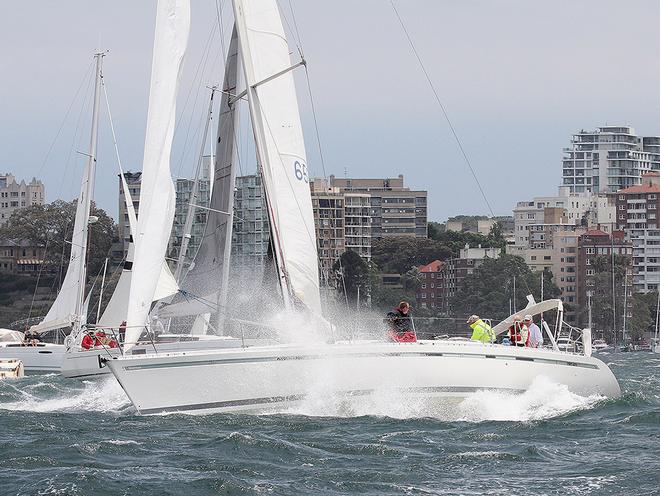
x,y
206,282
280,147
157,197
69,306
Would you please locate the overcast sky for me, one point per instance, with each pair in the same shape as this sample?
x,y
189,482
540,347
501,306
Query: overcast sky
x,y
517,77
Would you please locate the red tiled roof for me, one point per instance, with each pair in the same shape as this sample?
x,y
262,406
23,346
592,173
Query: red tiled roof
x,y
642,188
434,266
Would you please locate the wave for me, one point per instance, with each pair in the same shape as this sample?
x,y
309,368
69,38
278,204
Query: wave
x,y
104,395
543,400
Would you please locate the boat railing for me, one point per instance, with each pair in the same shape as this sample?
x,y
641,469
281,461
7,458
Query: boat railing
x,y
573,339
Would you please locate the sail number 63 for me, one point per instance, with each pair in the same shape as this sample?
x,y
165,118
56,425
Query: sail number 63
x,y
301,171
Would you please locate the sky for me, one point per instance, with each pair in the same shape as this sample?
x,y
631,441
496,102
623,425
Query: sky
x,y
516,77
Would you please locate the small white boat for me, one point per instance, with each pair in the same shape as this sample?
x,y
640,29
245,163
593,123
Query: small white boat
x,y
34,355
601,345
11,369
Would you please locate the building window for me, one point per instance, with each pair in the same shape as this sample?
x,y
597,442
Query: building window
x,y
590,272
423,286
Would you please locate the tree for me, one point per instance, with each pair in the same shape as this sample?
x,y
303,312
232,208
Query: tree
x,y
398,254
489,289
604,303
51,226
642,318
352,273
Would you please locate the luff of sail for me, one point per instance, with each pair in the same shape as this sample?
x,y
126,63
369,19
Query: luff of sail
x,y
280,146
69,306
206,281
157,198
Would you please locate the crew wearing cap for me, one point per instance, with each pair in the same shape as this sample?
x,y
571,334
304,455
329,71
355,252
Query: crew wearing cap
x,y
535,339
480,330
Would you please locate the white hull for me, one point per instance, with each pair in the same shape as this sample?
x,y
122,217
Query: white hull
x,y
85,364
44,357
266,378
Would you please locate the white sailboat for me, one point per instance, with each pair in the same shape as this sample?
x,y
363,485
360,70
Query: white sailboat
x,y
69,310
145,277
259,378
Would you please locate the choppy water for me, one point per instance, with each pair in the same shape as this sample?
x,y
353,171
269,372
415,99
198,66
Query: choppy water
x,y
65,437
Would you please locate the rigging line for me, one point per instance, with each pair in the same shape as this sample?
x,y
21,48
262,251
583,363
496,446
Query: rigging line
x,y
286,21
41,268
316,124
112,126
202,65
218,11
442,107
66,115
295,26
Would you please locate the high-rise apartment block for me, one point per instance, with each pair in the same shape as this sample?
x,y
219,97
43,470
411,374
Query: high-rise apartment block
x,y
395,209
15,195
184,190
251,229
134,182
608,159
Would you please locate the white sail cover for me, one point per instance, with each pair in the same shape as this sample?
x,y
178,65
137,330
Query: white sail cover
x,y
205,283
157,197
280,145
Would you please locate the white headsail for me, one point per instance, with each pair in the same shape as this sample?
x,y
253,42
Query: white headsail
x,y
69,306
280,146
157,198
206,281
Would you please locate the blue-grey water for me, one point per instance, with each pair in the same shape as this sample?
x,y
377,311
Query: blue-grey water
x,y
65,437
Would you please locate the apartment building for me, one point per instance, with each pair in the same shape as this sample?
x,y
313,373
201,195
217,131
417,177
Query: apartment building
x,y
20,257
134,182
15,195
591,245
452,273
329,221
251,228
608,159
427,292
637,210
395,209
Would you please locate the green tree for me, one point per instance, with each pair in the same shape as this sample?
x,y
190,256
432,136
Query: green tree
x,y
352,273
604,302
490,288
642,318
398,254
51,226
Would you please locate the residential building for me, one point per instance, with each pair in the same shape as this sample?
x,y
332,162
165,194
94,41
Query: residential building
x,y
596,243
608,159
184,190
329,209
427,292
15,195
395,209
20,257
251,229
564,269
637,210
453,272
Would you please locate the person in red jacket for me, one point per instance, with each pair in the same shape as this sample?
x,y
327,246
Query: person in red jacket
x,y
87,342
400,324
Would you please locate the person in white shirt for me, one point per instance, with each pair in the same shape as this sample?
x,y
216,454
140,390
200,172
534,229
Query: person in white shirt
x,y
535,334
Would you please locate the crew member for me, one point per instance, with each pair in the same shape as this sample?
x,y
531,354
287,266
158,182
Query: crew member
x,y
87,342
518,332
400,324
535,339
480,330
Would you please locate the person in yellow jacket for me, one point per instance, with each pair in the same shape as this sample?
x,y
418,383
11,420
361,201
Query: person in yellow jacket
x,y
480,330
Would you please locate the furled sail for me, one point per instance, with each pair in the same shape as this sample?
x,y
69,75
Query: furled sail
x,y
157,198
68,306
206,282
280,146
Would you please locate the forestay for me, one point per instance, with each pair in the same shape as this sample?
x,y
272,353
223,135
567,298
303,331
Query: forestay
x,y
157,198
280,147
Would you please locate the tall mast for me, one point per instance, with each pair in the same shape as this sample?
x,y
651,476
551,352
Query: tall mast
x,y
192,204
86,197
